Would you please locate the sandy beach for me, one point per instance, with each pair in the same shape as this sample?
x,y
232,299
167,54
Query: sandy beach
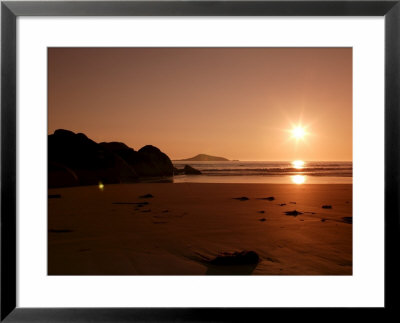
x,y
183,226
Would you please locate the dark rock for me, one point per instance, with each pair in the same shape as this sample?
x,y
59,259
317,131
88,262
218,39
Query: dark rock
x,y
146,196
153,162
74,159
261,211
189,170
60,175
262,219
149,161
326,206
270,198
293,213
348,219
179,171
236,258
282,204
243,198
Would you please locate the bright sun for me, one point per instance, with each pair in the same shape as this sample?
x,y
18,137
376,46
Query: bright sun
x,y
298,132
298,164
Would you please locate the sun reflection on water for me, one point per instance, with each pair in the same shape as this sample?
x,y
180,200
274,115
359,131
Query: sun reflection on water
x,y
298,179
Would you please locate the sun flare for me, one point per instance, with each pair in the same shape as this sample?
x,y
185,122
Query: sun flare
x,y
298,132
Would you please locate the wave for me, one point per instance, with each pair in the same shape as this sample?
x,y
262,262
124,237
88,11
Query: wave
x,y
336,169
288,169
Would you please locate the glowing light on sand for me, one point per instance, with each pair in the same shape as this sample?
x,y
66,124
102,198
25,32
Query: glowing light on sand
x,y
298,179
101,186
299,164
298,132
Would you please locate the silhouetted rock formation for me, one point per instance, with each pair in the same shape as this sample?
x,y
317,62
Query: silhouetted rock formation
x,y
189,170
149,161
293,213
204,157
178,171
74,159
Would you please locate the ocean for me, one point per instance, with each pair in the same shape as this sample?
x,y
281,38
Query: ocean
x,y
298,172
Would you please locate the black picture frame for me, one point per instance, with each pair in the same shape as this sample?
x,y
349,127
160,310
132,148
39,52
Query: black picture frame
x,y
11,10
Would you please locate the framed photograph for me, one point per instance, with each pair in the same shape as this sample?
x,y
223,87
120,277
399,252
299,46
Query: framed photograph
x,y
198,160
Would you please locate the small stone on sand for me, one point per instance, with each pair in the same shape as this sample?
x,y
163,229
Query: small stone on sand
x,y
146,196
293,213
270,198
348,219
243,198
326,206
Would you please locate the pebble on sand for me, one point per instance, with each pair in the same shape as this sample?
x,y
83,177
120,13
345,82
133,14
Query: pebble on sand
x,y
243,198
293,213
348,219
269,198
146,196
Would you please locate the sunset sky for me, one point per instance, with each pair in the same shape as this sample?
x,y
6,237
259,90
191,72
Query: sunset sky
x,y
238,103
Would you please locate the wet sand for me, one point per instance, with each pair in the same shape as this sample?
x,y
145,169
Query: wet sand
x,y
184,226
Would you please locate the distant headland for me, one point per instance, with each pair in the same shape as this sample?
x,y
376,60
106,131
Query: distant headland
x,y
204,157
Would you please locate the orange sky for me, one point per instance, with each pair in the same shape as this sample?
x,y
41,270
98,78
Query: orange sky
x,y
236,103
